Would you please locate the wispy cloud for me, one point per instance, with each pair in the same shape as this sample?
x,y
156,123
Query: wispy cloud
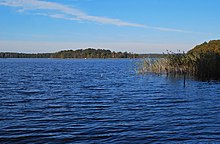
x,y
61,11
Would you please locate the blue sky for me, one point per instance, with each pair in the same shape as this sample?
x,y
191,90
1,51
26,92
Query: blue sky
x,y
140,26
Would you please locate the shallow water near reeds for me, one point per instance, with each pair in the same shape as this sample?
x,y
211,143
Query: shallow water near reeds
x,y
103,101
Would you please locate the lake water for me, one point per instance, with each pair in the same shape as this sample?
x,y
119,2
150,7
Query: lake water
x,y
103,101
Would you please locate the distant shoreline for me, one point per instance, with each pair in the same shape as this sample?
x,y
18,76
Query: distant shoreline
x,y
80,54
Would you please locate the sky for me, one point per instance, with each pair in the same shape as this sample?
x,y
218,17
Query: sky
x,y
137,26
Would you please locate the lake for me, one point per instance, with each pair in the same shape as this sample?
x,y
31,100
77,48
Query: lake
x,y
103,101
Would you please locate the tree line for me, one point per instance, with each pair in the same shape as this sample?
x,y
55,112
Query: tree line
x,y
80,53
93,53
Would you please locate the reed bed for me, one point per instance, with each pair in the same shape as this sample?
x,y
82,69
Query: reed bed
x,y
199,65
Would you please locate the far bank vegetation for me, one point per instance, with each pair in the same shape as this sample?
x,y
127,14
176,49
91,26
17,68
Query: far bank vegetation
x,y
70,54
79,54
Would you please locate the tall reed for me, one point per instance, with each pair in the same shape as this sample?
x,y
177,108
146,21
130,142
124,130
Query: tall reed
x,y
200,65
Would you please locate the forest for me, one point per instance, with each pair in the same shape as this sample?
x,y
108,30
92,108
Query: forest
x,y
80,53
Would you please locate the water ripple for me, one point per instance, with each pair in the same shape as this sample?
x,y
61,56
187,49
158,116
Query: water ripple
x,y
102,101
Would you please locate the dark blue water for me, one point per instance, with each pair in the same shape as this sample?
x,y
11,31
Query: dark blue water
x,y
102,101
